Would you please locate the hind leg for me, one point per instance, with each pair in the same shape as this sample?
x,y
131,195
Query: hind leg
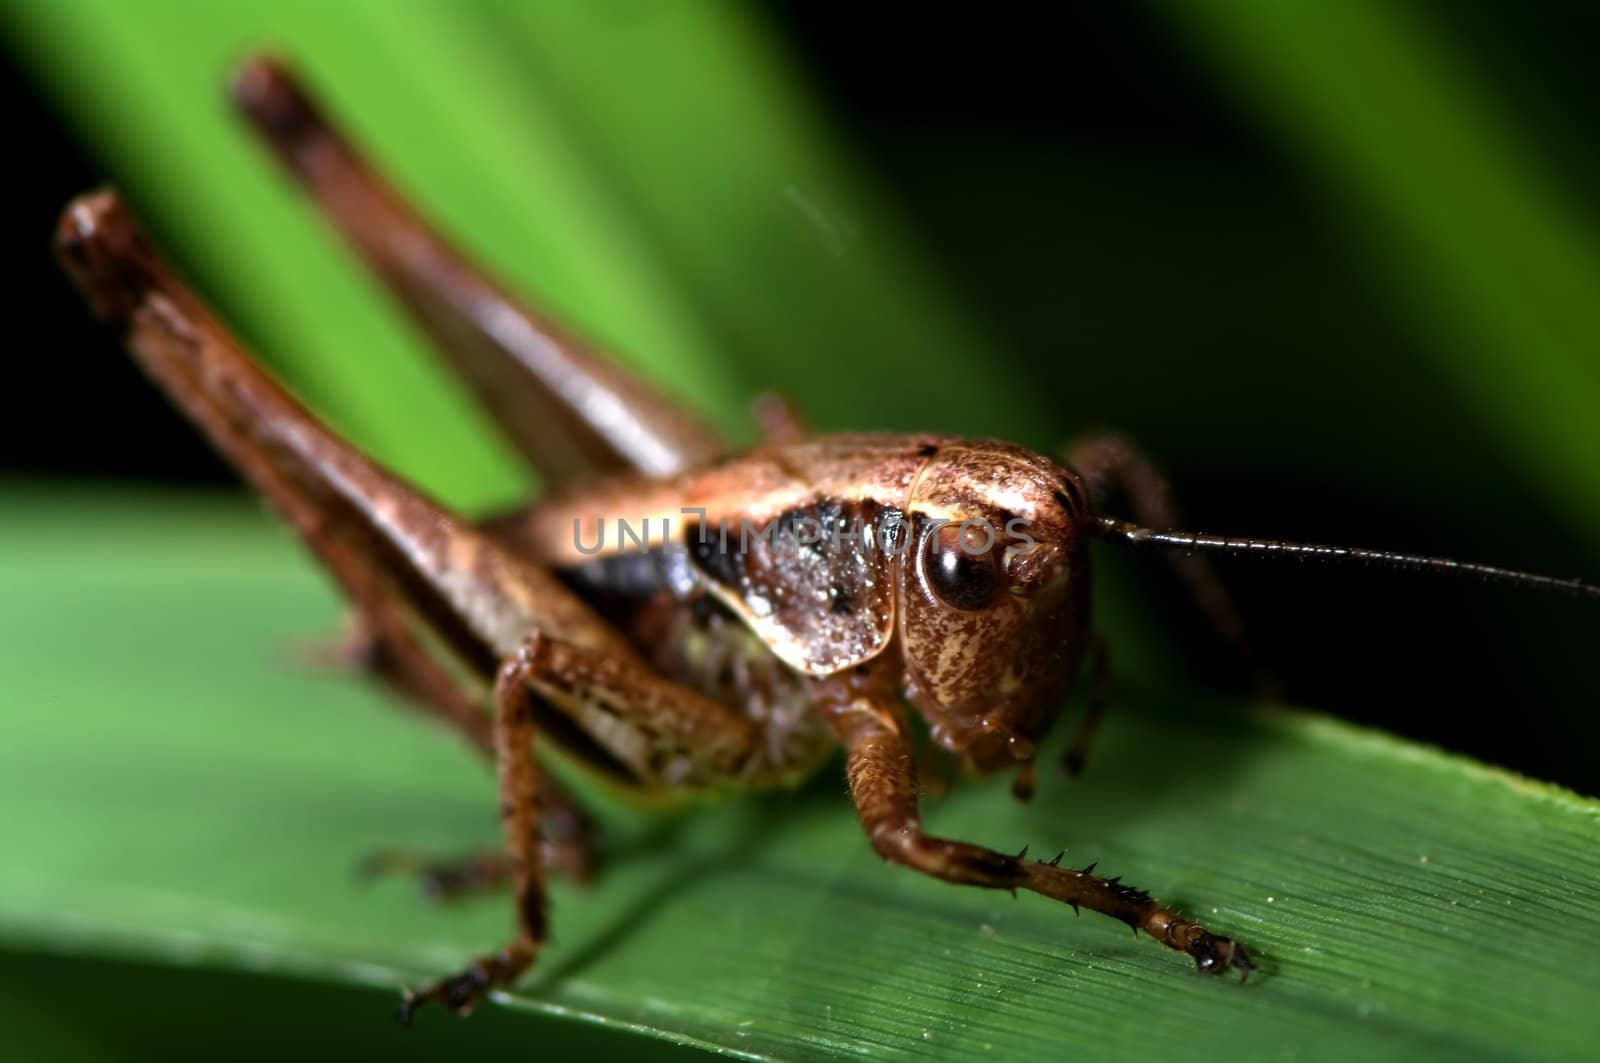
x,y
572,413
412,568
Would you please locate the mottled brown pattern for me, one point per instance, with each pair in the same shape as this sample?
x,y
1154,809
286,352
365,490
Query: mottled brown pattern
x,y
811,582
989,681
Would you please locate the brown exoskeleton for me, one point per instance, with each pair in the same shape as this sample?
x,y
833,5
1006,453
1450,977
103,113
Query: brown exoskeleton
x,y
768,606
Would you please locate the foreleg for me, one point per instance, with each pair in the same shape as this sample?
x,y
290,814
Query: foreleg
x,y
883,784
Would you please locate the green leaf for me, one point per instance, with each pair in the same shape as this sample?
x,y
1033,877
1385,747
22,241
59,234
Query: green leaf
x,y
171,786
1496,263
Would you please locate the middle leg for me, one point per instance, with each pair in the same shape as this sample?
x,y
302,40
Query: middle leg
x,y
674,722
519,813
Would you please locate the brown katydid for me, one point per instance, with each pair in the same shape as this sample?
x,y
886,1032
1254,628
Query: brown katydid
x,y
794,598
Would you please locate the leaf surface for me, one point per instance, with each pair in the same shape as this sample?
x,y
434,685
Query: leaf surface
x,y
172,786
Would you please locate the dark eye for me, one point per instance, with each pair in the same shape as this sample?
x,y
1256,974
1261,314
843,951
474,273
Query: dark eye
x,y
960,579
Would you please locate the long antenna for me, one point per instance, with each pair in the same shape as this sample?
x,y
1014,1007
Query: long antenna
x,y
1129,534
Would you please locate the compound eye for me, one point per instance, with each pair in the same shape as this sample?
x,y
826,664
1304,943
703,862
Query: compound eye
x,y
958,576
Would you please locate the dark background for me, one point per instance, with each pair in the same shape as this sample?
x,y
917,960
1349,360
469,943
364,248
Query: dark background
x,y
1154,259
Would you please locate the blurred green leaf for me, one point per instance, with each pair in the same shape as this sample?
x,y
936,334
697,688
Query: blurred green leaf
x,y
171,787
1499,267
800,269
